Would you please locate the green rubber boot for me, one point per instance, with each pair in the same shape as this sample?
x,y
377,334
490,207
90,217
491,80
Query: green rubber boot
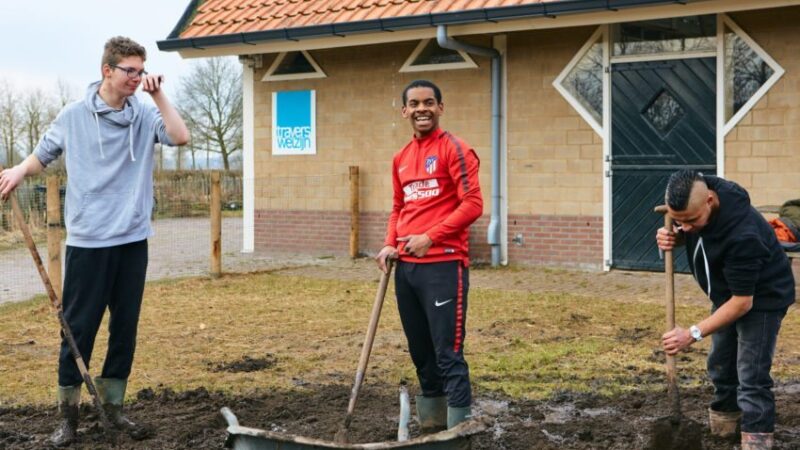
x,y
724,424
69,399
112,393
432,413
457,415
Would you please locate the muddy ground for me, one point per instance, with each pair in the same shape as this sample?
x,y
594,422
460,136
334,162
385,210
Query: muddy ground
x,y
191,420
566,420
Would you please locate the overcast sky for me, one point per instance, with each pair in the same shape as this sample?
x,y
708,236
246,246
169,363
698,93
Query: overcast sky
x,y
44,40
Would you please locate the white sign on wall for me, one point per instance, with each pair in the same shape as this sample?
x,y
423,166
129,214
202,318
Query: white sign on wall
x,y
294,125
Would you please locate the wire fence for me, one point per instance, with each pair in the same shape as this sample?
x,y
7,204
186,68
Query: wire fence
x,y
180,219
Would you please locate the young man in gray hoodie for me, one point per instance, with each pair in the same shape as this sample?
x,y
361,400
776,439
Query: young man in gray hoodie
x,y
108,143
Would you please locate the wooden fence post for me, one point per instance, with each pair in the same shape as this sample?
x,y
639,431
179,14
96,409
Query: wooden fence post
x,y
354,211
54,233
216,225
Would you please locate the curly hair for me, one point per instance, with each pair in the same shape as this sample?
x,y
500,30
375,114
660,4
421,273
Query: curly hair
x,y
121,47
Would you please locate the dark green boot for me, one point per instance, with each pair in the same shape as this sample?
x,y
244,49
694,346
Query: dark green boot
x,y
457,415
432,413
112,393
69,399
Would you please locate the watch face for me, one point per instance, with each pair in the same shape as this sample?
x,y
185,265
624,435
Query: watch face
x,y
696,334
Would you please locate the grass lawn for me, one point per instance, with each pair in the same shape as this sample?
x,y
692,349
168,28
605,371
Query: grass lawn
x,y
525,344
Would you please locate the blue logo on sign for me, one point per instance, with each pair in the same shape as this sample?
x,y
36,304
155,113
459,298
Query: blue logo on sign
x,y
430,164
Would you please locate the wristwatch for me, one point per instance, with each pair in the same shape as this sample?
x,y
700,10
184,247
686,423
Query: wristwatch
x,y
697,335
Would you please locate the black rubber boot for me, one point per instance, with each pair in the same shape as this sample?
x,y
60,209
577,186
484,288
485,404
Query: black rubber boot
x,y
112,392
66,433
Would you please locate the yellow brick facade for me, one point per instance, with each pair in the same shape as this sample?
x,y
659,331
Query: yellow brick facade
x,y
359,123
761,153
554,158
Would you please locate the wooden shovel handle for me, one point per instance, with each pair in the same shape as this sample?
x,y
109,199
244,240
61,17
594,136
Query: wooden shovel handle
x,y
56,303
366,349
669,272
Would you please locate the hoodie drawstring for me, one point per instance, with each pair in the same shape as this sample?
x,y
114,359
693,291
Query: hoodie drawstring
x,y
100,140
702,247
130,141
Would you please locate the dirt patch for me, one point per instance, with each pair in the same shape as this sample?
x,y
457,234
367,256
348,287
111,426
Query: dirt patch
x,y
245,364
567,420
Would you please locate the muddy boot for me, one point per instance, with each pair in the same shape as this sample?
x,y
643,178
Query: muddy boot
x,y
69,399
757,441
724,424
112,393
432,413
457,415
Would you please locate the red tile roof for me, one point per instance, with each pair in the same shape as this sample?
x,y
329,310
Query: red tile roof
x,y
208,23
218,17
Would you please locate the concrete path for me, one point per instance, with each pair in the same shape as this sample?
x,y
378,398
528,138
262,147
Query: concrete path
x,y
180,248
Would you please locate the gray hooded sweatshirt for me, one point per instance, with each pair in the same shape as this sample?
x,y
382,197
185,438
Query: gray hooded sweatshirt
x,y
109,160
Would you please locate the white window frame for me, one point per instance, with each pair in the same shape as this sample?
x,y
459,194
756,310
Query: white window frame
x,y
318,72
468,62
600,36
778,71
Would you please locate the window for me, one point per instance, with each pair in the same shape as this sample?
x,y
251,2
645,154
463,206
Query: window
x,y
581,82
293,66
429,56
749,72
674,35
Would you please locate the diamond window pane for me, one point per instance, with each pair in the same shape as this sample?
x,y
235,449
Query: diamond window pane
x,y
745,72
433,54
585,81
294,62
664,112
673,35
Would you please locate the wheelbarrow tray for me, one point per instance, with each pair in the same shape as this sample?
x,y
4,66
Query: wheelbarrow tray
x,y
246,438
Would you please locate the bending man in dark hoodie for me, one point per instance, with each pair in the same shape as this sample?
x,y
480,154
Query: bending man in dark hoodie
x,y
108,143
739,264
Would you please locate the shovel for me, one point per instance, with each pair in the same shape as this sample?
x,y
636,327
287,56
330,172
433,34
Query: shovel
x,y
56,304
341,435
672,432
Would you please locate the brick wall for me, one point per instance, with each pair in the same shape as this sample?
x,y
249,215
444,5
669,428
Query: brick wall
x,y
563,240
554,157
761,152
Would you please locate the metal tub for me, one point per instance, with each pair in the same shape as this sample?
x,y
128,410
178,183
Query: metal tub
x,y
246,438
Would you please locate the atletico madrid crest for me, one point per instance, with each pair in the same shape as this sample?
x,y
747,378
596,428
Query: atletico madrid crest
x,y
430,164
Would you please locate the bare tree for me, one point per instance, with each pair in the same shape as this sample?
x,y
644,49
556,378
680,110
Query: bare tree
x,y
66,93
210,100
37,111
9,122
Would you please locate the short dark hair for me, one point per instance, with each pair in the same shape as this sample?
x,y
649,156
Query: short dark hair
x,y
422,84
679,188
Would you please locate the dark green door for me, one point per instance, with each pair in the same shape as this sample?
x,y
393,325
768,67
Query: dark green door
x,y
663,119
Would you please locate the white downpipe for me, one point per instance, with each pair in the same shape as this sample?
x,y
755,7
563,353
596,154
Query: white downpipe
x,y
248,160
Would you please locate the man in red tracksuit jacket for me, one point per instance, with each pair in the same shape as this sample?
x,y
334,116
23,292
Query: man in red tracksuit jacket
x,y
436,198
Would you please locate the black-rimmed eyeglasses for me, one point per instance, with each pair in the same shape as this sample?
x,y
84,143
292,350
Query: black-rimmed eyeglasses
x,y
130,71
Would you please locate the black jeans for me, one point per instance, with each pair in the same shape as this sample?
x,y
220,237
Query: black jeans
x,y
96,279
432,301
739,366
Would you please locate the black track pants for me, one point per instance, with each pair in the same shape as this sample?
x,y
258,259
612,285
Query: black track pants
x,y
432,300
96,279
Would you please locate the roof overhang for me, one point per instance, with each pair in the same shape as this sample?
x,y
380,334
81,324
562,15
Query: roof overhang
x,y
568,13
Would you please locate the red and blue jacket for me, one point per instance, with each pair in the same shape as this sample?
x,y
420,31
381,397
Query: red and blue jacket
x,y
436,192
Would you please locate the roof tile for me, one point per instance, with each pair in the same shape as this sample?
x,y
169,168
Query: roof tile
x,y
218,17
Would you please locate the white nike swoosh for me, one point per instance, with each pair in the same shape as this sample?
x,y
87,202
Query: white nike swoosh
x,y
401,169
437,303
